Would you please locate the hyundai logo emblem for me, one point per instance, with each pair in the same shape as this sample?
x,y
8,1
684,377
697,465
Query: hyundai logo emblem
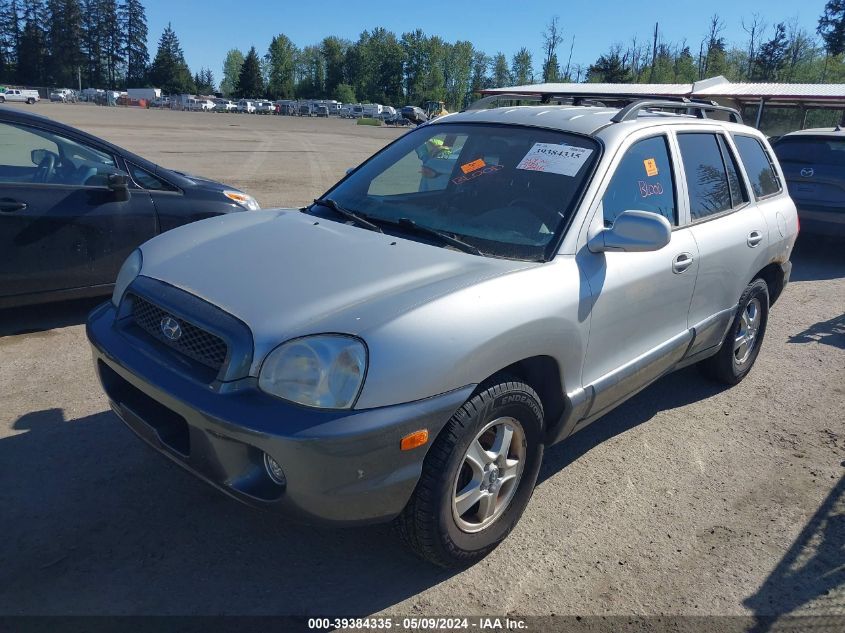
x,y
807,172
170,328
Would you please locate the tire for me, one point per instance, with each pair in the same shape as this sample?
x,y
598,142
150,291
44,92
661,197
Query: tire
x,y
2,99
30,101
733,362
432,523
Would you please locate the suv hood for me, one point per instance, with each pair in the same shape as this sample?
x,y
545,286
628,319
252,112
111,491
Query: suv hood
x,y
287,274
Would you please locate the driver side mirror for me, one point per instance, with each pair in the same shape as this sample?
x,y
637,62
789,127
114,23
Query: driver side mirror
x,y
119,183
38,155
633,232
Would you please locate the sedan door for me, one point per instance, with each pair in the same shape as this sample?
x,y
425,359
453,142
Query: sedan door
x,y
61,226
640,300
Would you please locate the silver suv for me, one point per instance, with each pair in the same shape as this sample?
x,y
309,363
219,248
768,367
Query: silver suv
x,y
485,286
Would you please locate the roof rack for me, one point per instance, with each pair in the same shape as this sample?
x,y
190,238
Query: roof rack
x,y
699,108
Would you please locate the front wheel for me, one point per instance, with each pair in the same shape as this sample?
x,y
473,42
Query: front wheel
x,y
741,345
2,99
477,477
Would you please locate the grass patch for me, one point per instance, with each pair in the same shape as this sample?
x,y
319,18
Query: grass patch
x,y
368,121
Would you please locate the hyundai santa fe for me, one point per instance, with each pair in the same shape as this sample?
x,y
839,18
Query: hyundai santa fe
x,y
487,285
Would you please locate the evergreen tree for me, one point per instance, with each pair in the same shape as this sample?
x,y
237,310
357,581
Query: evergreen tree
x,y
31,53
133,25
9,39
92,47
64,34
610,68
522,72
501,73
250,83
281,67
231,71
772,56
169,71
832,27
204,81
111,39
344,93
333,50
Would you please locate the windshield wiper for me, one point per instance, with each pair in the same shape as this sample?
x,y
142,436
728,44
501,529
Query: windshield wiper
x,y
411,226
360,220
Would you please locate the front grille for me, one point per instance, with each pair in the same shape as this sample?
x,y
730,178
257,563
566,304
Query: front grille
x,y
194,342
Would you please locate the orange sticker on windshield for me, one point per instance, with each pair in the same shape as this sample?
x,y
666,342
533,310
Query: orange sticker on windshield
x,y
650,167
476,164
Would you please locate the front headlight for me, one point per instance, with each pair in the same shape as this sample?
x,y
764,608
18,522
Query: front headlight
x,y
131,268
244,199
325,371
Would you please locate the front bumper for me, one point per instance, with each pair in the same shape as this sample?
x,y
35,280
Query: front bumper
x,y
341,467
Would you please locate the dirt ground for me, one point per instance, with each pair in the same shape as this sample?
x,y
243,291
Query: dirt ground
x,y
690,499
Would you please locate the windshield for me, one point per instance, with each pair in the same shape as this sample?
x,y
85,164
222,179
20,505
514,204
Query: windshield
x,y
506,190
817,150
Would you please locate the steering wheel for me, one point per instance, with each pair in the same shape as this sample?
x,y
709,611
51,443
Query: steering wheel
x,y
46,168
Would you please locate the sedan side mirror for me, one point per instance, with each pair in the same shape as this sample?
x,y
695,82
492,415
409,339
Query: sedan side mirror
x,y
634,232
119,183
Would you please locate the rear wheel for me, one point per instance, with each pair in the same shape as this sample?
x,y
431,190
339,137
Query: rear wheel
x,y
477,477
30,101
741,345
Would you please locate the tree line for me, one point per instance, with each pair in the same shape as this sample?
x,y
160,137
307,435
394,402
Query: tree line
x,y
103,43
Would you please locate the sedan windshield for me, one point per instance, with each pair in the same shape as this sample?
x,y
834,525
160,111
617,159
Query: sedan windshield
x,y
506,191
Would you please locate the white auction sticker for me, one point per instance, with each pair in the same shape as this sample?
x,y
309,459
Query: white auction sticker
x,y
565,160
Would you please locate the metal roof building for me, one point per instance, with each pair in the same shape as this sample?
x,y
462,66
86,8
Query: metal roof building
x,y
743,96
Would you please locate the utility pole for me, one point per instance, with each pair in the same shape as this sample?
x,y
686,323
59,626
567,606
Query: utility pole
x,y
654,55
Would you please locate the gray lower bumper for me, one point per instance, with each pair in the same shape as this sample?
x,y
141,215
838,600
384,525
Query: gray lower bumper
x,y
342,467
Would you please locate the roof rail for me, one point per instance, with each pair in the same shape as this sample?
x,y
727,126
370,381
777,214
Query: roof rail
x,y
700,108
513,96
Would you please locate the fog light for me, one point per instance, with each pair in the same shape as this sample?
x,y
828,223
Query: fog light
x,y
274,470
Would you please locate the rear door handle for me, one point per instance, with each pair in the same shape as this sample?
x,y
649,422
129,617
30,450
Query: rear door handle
x,y
681,262
754,238
7,205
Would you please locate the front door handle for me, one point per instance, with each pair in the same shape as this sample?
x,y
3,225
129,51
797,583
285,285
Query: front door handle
x,y
754,238
681,262
7,205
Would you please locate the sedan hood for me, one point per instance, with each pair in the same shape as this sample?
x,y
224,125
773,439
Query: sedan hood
x,y
287,274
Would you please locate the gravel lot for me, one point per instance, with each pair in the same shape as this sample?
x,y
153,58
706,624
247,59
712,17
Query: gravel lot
x,y
689,499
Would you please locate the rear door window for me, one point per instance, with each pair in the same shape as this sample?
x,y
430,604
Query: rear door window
x,y
643,181
707,178
758,165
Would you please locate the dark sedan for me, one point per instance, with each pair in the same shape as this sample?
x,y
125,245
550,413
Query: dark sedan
x,y
73,206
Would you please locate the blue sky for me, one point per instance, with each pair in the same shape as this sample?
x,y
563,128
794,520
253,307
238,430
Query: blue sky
x,y
209,28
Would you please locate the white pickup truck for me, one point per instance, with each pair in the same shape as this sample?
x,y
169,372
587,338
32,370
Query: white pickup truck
x,y
22,96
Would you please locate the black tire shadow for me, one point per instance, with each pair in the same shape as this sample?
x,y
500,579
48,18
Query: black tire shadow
x,y
95,522
42,317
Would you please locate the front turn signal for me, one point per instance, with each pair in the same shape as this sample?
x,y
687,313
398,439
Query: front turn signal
x,y
413,440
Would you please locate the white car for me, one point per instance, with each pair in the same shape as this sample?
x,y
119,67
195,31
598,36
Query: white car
x,y
224,105
244,105
265,107
200,105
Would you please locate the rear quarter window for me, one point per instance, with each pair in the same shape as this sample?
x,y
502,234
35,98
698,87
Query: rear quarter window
x,y
758,166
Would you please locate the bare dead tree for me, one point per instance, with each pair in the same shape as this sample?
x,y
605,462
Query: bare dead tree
x,y
654,54
755,29
552,38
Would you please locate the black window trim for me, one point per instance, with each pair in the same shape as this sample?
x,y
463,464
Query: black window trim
x,y
771,166
724,147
